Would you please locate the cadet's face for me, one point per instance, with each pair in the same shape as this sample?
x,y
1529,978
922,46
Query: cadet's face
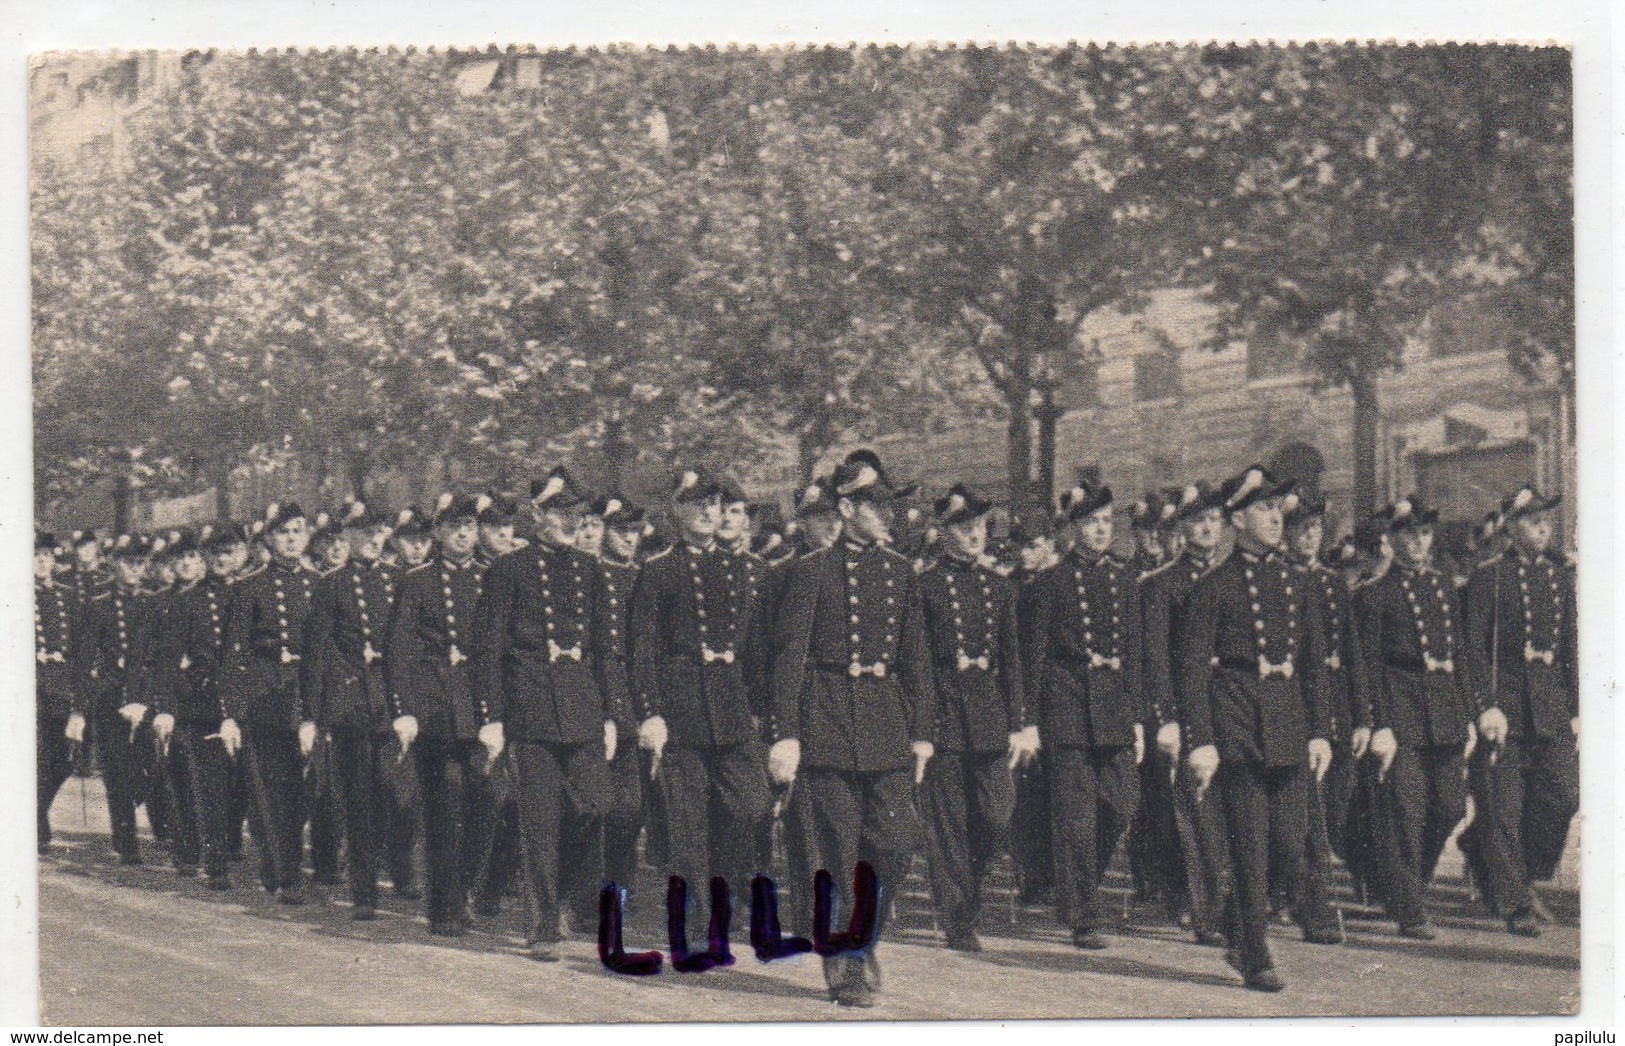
x,y
1037,553
290,540
229,559
735,524
590,534
1415,543
559,525
823,529
1261,521
1173,542
1306,538
130,571
1535,531
414,547
189,567
1205,530
698,520
497,538
1095,530
367,543
969,538
336,553
1149,541
89,555
44,563
458,537
865,520
623,543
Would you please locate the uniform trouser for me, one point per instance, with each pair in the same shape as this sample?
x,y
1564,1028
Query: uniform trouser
x,y
1200,858
1312,903
967,801
53,765
324,807
275,776
1092,796
239,806
624,819
1415,810
1153,842
354,762
119,759
562,796
714,801
457,812
1030,831
205,772
1524,803
397,809
844,817
151,776
1267,816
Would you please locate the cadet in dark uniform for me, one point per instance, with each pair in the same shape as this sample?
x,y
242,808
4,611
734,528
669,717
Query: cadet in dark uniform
x,y
853,705
693,625
1033,535
265,628
115,654
982,729
226,547
87,575
1248,682
1192,854
1409,625
549,681
183,565
1521,649
441,718
1086,662
55,616
1148,519
624,526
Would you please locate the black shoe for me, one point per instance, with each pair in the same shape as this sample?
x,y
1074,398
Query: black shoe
x,y
542,951
1265,980
292,894
1522,923
132,860
855,995
1233,958
1207,935
409,891
964,941
1088,940
446,928
1323,934
1422,931
363,913
218,883
1538,909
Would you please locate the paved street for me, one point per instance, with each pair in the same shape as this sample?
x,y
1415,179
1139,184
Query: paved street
x,y
140,946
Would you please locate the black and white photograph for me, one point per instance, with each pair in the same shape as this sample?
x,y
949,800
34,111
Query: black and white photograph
x,y
983,531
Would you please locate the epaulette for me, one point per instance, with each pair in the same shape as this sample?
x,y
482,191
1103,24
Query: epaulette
x,y
663,552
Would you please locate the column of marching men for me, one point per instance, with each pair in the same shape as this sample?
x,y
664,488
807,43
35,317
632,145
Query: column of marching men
x,y
1224,705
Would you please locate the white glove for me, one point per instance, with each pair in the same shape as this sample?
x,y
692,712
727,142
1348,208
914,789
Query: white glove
x,y
1384,745
1492,726
1320,756
492,737
1168,741
1139,743
406,731
1023,746
1204,763
923,751
307,737
783,760
75,730
1472,742
231,736
610,738
163,724
652,735
133,713
1360,741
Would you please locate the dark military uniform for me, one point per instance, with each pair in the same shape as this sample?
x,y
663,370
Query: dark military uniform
x,y
1408,625
624,820
265,628
1192,858
1085,658
430,676
188,665
1030,823
55,615
1249,681
1521,654
852,682
116,650
546,670
969,796
695,627
348,696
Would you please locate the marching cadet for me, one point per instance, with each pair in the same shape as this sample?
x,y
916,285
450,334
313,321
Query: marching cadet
x,y
497,514
547,681
624,527
1410,622
327,553
693,624
177,565
1148,519
411,540
1521,651
87,574
265,628
1248,680
982,731
342,677
854,705
817,522
55,616
1085,660
1187,835
1033,537
226,548
115,654
329,550
440,718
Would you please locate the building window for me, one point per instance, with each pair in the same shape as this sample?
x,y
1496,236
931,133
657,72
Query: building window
x,y
1156,376
1272,358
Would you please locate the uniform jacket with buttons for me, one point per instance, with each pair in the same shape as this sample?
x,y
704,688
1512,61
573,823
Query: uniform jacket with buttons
x,y
620,581
546,664
346,636
428,663
1248,612
265,632
115,650
1086,654
1521,613
848,611
1412,671
1163,594
190,651
1347,703
695,631
55,623
970,622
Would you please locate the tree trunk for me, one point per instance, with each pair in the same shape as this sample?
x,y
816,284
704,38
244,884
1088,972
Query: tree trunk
x,y
1019,443
1367,415
1048,414
811,443
355,465
220,478
123,502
